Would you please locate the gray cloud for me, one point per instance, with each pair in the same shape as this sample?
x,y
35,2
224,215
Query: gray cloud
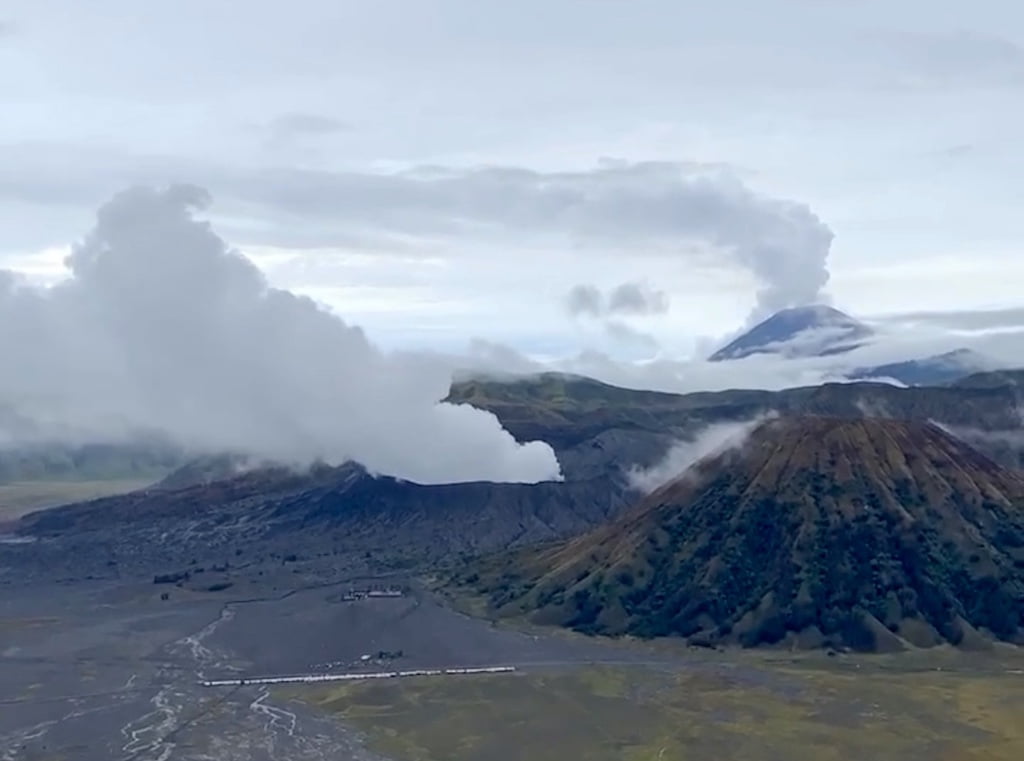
x,y
633,298
666,208
703,216
162,327
585,300
637,298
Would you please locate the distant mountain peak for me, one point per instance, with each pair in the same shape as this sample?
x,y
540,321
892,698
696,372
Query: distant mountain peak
x,y
809,331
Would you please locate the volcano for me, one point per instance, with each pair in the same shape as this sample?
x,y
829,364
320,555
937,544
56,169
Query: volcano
x,y
866,534
810,331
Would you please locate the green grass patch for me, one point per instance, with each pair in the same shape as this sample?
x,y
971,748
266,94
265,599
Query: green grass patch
x,y
757,712
22,497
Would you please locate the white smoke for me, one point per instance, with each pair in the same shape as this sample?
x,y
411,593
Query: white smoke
x,y
162,326
873,408
683,455
1006,437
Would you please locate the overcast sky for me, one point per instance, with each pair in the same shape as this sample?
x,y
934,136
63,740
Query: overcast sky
x,y
439,170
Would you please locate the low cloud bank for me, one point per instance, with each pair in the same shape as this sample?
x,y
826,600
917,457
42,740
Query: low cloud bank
x,y
163,327
989,351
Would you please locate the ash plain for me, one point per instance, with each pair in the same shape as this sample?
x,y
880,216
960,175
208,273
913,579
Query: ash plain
x,y
106,669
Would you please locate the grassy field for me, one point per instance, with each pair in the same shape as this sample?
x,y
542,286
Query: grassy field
x,y
736,711
22,497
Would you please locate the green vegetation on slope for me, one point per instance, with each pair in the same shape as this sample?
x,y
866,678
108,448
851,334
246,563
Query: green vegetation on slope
x,y
822,532
23,497
566,410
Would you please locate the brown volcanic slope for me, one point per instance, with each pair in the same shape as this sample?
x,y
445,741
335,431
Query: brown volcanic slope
x,y
820,531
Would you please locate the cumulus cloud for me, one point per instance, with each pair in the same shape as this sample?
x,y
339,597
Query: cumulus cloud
x,y
161,326
683,455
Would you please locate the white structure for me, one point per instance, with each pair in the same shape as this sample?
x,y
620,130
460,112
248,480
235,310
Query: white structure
x,y
309,678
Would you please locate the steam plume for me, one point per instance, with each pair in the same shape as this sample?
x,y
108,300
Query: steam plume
x,y
162,326
683,455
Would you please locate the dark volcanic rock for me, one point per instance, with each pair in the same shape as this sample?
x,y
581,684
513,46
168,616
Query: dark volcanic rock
x,y
323,509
